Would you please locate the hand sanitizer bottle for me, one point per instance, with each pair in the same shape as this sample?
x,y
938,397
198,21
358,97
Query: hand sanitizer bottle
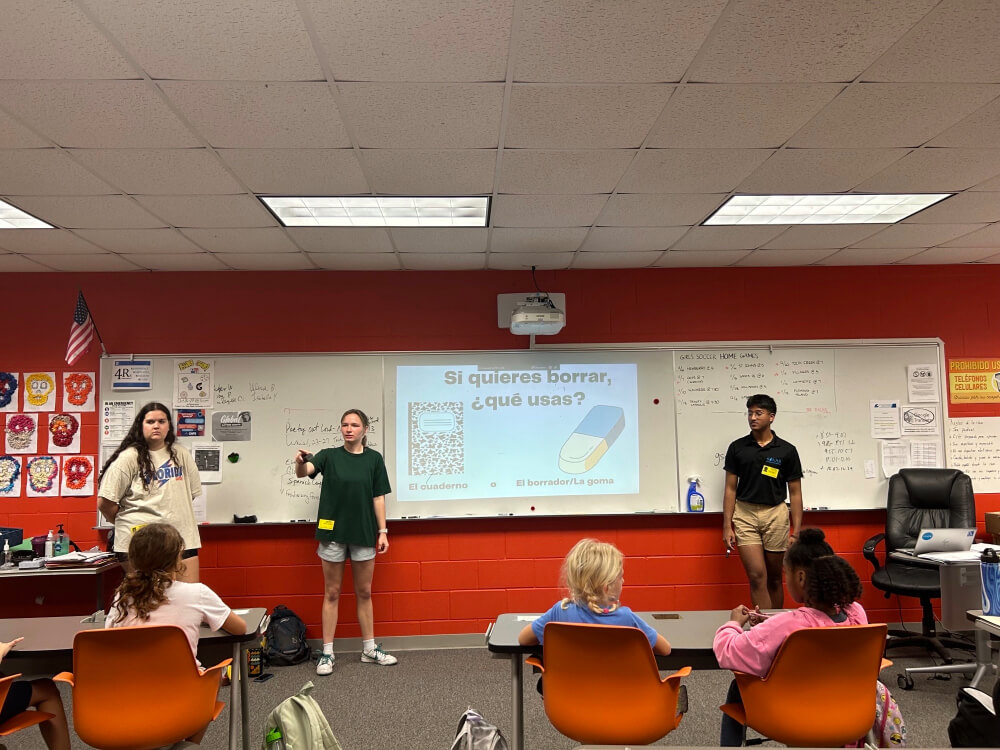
x,y
61,546
6,553
49,544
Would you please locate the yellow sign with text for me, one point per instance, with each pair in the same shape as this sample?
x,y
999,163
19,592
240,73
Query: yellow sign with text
x,y
974,381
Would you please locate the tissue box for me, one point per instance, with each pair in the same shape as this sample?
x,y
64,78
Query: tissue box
x,y
15,536
993,526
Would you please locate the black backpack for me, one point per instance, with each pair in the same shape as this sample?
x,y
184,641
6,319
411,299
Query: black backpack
x,y
285,638
975,725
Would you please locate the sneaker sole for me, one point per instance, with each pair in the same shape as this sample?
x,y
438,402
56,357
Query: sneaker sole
x,y
366,660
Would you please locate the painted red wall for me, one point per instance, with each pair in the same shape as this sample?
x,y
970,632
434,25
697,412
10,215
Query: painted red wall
x,y
455,576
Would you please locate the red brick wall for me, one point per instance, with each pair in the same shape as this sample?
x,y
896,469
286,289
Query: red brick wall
x,y
454,576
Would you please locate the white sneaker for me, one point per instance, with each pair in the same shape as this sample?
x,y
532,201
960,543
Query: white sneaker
x,y
325,664
378,656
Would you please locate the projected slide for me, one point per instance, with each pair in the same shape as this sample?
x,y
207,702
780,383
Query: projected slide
x,y
467,431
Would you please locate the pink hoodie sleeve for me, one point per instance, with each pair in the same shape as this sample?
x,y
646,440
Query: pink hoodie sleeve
x,y
752,651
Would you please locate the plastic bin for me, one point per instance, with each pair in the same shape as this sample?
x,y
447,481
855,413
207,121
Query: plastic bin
x,y
13,536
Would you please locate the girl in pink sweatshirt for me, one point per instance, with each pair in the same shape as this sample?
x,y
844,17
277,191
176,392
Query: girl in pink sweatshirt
x,y
828,588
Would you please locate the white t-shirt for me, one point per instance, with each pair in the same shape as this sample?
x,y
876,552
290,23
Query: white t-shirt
x,y
167,499
188,605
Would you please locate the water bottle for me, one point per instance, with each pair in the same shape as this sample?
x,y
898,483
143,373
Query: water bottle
x,y
989,566
695,500
274,740
49,544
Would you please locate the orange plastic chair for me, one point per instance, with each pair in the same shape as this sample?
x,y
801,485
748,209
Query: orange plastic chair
x,y
22,720
167,698
602,686
820,690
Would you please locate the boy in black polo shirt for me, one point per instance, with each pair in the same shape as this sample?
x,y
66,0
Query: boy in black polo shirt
x,y
755,519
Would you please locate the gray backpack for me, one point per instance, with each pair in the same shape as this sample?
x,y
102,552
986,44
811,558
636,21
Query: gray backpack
x,y
475,733
301,723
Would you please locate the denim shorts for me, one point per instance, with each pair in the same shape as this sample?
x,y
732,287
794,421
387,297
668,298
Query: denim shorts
x,y
336,552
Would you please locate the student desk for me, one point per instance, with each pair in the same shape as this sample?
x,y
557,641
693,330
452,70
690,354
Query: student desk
x,y
48,636
690,635
97,572
986,625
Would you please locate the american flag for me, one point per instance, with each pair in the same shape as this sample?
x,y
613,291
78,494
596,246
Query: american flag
x,y
81,332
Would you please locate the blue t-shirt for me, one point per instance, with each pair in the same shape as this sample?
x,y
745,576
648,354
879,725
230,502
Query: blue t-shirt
x,y
575,613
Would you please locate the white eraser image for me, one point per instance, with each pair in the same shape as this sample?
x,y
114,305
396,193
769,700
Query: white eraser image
x,y
591,439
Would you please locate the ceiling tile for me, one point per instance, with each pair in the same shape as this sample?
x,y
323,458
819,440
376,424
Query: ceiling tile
x,y
96,114
562,171
508,240
631,239
948,255
433,40
935,170
615,260
341,239
917,235
440,240
981,129
266,261
524,261
964,208
82,263
45,242
46,171
885,115
50,40
15,135
136,241
177,261
799,171
775,258
658,210
423,115
546,210
403,172
676,170
356,261
243,114
820,237
700,258
808,40
90,212
986,237
595,41
208,210
225,39
312,171
739,116
866,256
582,116
160,171
990,186
443,262
17,264
727,238
957,41
242,240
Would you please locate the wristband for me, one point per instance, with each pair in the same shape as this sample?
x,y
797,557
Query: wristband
x,y
383,531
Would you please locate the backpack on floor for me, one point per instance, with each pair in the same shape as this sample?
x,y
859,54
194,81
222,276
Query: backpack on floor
x,y
475,733
285,639
976,724
301,723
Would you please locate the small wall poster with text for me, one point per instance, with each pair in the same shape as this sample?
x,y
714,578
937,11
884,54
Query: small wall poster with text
x,y
193,388
974,381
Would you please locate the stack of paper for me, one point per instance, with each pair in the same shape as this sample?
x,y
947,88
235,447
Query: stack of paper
x,y
79,560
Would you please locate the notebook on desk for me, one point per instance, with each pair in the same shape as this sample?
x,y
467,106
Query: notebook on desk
x,y
942,540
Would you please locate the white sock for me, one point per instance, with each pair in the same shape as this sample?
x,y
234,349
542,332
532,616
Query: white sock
x,y
368,645
328,648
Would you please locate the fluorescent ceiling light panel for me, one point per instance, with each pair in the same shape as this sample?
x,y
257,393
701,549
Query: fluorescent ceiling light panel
x,y
377,211
11,217
821,209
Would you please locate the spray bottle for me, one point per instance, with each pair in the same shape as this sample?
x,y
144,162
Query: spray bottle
x,y
695,500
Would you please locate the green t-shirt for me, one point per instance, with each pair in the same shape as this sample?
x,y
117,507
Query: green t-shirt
x,y
351,481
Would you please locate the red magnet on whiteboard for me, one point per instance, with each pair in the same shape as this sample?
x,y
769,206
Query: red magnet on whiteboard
x,y
656,400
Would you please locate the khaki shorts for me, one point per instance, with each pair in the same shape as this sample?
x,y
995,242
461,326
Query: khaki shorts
x,y
761,524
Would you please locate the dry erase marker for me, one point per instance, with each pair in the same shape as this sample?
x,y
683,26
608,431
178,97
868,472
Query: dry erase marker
x,y
591,439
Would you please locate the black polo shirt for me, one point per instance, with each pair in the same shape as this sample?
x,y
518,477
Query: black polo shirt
x,y
763,472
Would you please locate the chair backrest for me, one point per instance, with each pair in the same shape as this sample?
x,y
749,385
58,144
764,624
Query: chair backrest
x,y
820,690
20,721
602,686
928,499
139,687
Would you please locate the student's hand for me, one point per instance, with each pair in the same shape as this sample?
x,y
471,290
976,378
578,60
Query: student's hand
x,y
740,615
300,457
729,538
382,545
6,647
756,616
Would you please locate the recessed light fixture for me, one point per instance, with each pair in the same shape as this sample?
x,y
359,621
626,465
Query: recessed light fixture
x,y
378,211
11,217
853,208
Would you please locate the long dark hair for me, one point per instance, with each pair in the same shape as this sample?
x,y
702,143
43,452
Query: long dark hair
x,y
154,553
364,421
134,439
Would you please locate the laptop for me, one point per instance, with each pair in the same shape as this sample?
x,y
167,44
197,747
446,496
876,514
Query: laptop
x,y
942,540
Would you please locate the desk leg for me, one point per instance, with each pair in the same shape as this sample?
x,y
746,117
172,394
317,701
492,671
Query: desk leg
x,y
234,701
983,657
244,694
517,701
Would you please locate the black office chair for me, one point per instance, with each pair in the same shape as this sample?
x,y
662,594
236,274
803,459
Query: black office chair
x,y
920,499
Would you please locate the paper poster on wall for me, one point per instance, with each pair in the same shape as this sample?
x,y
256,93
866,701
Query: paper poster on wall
x,y
193,384
885,419
920,420
132,375
926,454
78,476
39,391
894,455
231,426
64,433
116,420
189,422
22,433
10,391
208,459
974,380
921,383
974,447
42,476
200,506
10,476
78,392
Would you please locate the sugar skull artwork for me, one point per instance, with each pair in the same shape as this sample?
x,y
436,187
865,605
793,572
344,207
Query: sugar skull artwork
x,y
39,391
77,476
64,433
78,391
43,476
9,382
22,434
10,476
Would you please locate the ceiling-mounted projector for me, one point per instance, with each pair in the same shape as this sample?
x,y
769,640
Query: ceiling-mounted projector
x,y
537,316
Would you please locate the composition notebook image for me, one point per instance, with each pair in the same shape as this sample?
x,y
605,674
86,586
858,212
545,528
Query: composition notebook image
x,y
942,540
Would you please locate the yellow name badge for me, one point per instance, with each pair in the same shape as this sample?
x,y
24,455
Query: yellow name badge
x,y
326,524
136,528
769,471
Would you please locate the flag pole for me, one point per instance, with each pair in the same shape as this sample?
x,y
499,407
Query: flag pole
x,y
93,322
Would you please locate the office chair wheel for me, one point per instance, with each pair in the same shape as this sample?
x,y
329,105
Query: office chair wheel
x,y
904,681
